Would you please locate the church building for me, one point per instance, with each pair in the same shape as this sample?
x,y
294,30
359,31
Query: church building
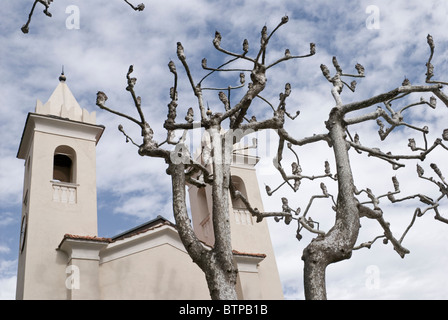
x,y
61,256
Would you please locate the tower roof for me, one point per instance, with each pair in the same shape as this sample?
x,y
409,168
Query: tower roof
x,y
62,103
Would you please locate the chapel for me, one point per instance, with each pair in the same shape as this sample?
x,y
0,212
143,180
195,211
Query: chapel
x,y
62,257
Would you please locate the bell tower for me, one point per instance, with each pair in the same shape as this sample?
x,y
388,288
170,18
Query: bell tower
x,y
258,276
59,190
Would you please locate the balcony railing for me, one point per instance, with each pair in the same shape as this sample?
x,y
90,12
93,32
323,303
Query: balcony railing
x,y
64,192
243,216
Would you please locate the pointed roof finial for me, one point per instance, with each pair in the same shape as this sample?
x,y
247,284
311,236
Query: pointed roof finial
x,y
62,76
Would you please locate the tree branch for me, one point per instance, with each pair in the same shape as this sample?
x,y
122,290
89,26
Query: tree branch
x,y
288,56
192,244
25,28
392,94
139,7
378,215
196,89
217,45
429,66
375,152
100,102
301,142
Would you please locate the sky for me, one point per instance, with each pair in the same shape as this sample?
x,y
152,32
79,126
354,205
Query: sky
x,y
97,41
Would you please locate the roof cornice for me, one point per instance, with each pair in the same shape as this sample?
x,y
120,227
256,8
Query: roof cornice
x,y
59,126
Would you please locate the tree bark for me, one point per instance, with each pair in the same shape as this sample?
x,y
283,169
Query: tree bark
x,y
216,263
225,271
338,243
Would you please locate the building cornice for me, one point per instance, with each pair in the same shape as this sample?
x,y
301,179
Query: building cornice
x,y
85,248
56,125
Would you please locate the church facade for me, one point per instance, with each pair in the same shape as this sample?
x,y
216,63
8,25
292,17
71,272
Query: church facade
x,y
61,255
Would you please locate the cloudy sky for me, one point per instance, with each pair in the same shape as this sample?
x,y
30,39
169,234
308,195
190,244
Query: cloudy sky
x,y
96,41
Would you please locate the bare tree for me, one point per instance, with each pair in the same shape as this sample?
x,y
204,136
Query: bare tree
x,y
329,246
225,128
337,243
46,3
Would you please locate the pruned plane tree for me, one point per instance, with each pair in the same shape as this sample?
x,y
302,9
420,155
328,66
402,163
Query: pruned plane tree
x,y
237,114
227,122
352,203
46,3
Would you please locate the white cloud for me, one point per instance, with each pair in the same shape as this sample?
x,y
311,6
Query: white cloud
x,y
4,249
7,279
8,288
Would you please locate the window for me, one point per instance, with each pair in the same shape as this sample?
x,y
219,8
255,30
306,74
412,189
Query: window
x,y
62,168
202,204
238,183
64,164
23,232
25,198
241,214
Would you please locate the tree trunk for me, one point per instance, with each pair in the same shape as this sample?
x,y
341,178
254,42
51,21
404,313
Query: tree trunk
x,y
227,270
338,243
314,273
218,263
221,283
